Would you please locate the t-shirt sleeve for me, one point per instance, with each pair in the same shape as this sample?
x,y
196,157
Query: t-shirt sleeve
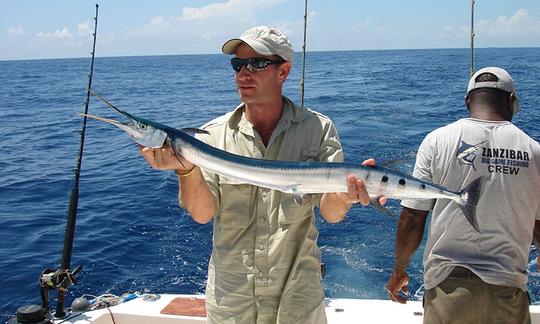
x,y
423,171
537,158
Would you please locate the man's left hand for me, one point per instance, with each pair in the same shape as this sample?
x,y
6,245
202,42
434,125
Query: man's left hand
x,y
357,192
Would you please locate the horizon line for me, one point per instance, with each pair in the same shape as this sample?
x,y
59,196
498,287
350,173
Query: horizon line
x,y
315,51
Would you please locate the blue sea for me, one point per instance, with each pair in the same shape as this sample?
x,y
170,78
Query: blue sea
x,y
131,234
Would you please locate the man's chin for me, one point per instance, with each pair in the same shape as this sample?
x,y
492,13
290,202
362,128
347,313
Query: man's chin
x,y
246,95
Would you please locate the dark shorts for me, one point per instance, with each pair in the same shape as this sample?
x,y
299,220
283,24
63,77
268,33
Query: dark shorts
x,y
464,298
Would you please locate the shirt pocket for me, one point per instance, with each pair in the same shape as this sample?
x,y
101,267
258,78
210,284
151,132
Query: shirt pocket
x,y
235,204
309,154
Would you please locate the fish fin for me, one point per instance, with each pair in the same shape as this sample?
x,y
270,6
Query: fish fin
x,y
193,130
298,195
469,197
374,202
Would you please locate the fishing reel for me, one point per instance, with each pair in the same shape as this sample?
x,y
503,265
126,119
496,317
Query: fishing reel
x,y
58,280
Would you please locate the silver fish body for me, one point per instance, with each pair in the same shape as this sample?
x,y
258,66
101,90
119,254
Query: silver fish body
x,y
305,177
297,178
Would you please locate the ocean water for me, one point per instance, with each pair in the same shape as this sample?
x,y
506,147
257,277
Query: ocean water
x,y
132,236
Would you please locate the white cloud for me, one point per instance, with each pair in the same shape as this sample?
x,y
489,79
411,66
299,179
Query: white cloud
x,y
17,31
201,29
157,20
238,8
520,25
209,35
85,29
454,33
193,29
63,34
519,29
363,25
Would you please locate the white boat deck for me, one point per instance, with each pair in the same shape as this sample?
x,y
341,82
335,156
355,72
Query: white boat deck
x,y
342,311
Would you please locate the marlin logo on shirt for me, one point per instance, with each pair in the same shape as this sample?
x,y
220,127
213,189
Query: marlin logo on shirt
x,y
466,153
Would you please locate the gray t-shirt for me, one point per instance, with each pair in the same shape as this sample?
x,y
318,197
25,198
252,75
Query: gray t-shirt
x,y
509,204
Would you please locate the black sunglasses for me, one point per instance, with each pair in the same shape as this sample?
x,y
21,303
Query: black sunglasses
x,y
253,64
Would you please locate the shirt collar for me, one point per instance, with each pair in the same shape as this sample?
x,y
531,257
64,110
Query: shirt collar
x,y
291,114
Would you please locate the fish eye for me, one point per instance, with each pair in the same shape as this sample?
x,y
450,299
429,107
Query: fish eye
x,y
142,126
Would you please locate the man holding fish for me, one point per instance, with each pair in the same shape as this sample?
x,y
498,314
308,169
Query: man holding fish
x,y
475,276
265,265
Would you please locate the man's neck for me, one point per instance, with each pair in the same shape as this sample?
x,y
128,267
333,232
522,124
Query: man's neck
x,y
264,118
488,113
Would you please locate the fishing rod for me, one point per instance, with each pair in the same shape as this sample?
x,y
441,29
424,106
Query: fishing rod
x,y
69,235
472,37
74,199
61,279
303,58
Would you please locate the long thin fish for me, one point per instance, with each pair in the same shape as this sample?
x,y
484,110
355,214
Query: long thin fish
x,y
297,178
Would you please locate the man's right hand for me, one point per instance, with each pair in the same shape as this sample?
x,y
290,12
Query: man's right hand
x,y
397,287
164,158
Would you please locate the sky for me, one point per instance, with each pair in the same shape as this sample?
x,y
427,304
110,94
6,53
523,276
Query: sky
x,y
35,29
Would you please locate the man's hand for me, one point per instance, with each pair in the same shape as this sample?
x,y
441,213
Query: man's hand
x,y
357,192
199,201
397,287
334,206
164,158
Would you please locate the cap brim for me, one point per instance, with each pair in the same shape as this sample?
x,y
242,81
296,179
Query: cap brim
x,y
230,46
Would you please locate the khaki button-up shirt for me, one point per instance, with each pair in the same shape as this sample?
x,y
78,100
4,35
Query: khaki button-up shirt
x,y
265,259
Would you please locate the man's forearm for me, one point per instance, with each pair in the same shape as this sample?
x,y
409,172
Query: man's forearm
x,y
196,196
536,235
409,235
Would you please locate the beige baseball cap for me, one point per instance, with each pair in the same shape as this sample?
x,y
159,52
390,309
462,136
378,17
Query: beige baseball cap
x,y
504,82
264,40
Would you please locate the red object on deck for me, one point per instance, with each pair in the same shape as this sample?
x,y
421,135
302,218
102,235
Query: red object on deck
x,y
186,307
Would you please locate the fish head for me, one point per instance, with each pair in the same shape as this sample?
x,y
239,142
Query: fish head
x,y
140,130
144,132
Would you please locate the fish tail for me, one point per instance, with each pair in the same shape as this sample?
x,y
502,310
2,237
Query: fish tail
x,y
469,197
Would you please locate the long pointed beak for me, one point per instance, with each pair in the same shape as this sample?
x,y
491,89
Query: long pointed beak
x,y
107,120
109,104
140,130
136,135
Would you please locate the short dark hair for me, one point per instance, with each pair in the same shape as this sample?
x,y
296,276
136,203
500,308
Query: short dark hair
x,y
486,77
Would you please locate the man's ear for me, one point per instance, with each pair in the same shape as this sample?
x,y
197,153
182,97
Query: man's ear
x,y
467,102
284,69
511,99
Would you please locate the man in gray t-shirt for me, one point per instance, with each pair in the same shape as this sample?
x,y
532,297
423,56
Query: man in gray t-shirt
x,y
475,276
